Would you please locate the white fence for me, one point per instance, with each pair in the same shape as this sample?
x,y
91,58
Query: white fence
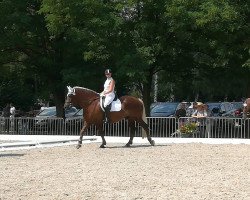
x,y
159,127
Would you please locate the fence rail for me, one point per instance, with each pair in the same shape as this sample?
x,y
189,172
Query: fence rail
x,y
214,127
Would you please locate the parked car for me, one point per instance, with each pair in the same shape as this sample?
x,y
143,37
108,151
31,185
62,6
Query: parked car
x,y
164,121
238,105
47,119
164,109
74,123
221,109
226,125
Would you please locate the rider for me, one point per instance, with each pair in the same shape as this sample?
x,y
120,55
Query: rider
x,y
108,93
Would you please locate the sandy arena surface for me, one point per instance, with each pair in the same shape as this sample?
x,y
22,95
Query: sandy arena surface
x,y
163,172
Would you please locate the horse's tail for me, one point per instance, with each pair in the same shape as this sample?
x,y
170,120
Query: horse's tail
x,y
144,119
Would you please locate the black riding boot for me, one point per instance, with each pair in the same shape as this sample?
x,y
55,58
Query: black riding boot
x,y
106,112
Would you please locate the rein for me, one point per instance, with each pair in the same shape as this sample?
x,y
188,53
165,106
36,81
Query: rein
x,y
91,100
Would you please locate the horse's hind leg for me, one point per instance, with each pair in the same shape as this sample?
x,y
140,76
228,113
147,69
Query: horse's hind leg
x,y
145,127
131,125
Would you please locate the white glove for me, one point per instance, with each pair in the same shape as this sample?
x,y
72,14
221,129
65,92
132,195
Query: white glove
x,y
102,94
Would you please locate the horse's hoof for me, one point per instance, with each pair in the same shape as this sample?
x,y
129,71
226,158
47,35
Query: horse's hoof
x,y
152,142
127,145
102,146
78,146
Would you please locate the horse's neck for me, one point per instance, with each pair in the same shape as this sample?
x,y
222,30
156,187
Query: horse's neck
x,y
86,96
86,93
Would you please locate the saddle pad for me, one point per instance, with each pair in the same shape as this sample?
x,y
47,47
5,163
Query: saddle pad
x,y
115,105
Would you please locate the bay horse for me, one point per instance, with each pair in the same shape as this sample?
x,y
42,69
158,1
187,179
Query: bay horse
x,y
131,108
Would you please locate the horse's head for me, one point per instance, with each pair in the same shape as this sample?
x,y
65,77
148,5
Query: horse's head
x,y
80,97
70,94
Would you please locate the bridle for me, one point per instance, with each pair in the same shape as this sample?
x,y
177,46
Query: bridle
x,y
72,92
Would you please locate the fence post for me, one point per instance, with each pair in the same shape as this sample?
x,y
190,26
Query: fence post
x,y
208,129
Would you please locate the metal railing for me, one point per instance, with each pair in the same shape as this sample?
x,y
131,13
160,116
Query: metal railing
x,y
212,127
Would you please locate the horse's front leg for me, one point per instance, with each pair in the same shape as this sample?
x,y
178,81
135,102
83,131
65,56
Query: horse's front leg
x,y
84,128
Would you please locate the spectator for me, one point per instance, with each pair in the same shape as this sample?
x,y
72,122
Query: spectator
x,y
12,110
206,109
200,112
200,115
181,112
12,116
6,115
191,109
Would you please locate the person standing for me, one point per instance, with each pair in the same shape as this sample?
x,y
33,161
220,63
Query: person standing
x,y
108,93
181,112
12,111
200,115
191,109
14,121
6,115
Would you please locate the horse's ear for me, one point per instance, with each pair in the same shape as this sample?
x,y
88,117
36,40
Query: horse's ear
x,y
69,88
71,91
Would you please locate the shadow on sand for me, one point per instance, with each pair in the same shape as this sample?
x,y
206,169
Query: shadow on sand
x,y
11,155
137,146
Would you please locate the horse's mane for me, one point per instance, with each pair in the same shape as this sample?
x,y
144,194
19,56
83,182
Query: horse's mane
x,y
86,89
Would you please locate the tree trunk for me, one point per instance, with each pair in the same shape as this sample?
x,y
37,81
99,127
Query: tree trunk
x,y
146,93
59,102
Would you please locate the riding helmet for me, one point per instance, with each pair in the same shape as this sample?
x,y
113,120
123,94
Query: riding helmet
x,y
108,71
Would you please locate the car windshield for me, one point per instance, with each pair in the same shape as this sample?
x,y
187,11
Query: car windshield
x,y
51,111
161,108
48,112
70,111
79,113
237,105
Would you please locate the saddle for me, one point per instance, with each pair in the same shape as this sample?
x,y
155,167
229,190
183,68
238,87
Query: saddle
x,y
114,106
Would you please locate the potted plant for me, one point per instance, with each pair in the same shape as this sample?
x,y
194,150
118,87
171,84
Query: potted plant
x,y
188,129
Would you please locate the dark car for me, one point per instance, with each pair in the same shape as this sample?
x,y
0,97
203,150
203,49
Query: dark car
x,y
165,109
47,119
163,122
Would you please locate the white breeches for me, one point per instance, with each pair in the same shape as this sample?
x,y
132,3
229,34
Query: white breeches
x,y
108,99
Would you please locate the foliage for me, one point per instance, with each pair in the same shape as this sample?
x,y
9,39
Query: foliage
x,y
188,128
193,45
